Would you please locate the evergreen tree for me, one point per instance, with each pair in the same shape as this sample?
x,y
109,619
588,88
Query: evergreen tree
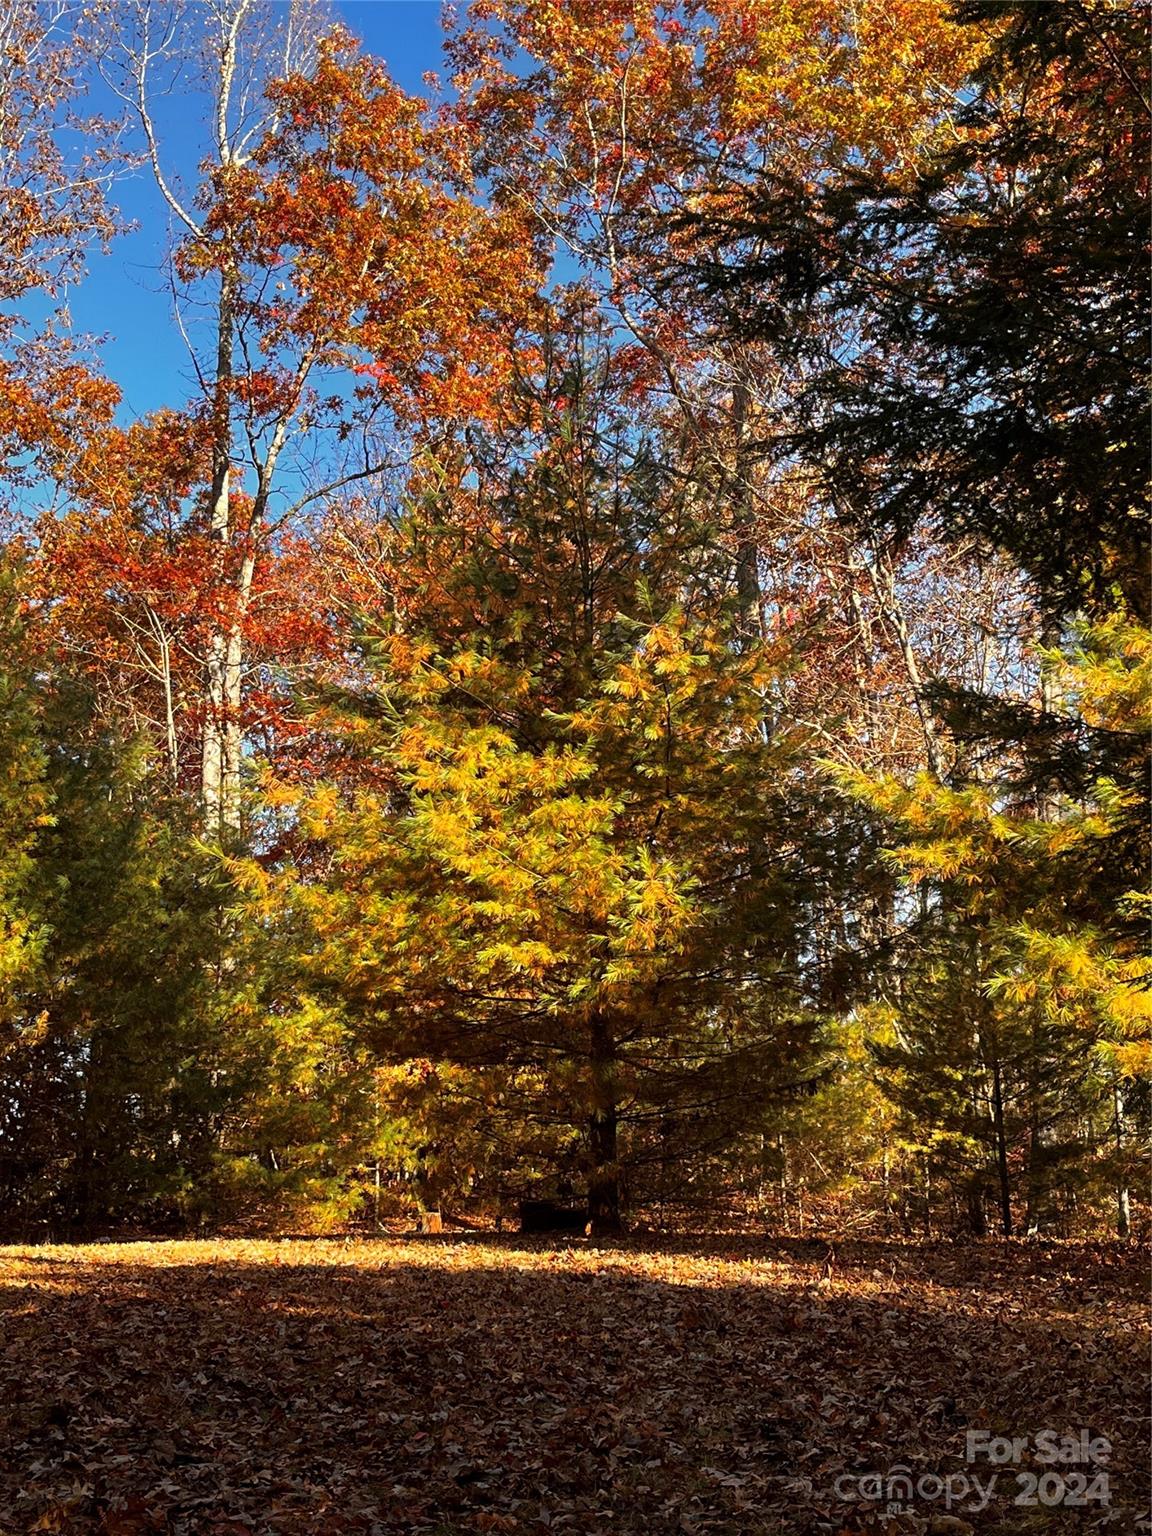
x,y
152,1069
25,801
1023,1002
997,298
592,853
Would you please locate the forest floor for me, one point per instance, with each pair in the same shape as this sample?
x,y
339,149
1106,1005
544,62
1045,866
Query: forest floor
x,y
441,1387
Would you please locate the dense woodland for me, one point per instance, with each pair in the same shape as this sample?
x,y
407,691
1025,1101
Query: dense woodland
x,y
627,676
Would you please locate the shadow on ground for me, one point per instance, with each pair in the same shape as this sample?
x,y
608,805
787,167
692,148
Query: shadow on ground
x,y
444,1386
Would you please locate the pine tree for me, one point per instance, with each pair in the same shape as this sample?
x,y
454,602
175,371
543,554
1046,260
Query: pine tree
x,y
997,296
25,813
616,908
585,854
152,1068
1023,1001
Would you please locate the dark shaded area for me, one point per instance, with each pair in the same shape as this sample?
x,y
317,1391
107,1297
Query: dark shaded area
x,y
998,302
715,1386
539,1216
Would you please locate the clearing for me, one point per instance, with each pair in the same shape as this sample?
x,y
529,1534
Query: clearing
x,y
442,1387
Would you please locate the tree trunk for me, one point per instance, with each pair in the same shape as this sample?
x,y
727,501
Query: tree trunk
x,y
215,787
883,581
1123,1211
603,1143
1001,1150
977,1219
1123,1199
785,1219
1034,1207
748,590
232,742
427,1187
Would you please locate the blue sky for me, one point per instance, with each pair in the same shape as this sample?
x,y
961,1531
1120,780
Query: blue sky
x,y
405,33
124,297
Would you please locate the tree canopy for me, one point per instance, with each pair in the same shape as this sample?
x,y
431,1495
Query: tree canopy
x,y
620,676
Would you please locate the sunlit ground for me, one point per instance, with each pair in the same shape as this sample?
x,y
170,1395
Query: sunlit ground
x,y
441,1386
